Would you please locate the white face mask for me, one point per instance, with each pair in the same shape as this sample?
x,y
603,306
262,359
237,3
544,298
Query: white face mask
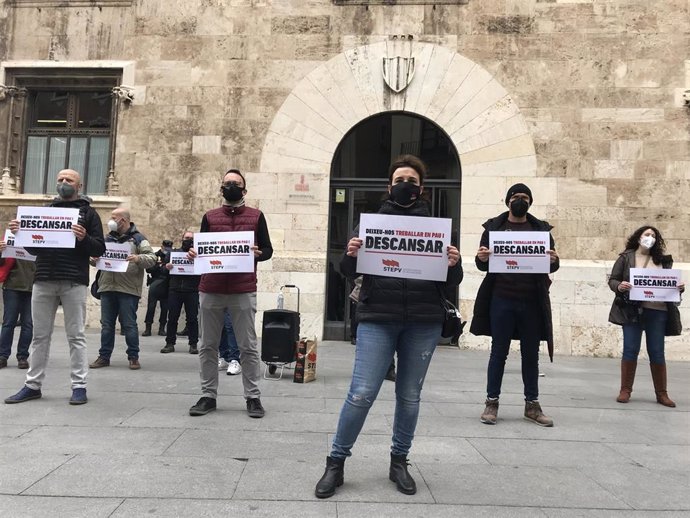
x,y
112,225
647,241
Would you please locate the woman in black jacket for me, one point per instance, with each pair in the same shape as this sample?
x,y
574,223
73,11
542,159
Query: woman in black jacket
x,y
645,249
394,315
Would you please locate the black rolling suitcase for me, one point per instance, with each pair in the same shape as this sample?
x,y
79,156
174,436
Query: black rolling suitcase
x,y
279,336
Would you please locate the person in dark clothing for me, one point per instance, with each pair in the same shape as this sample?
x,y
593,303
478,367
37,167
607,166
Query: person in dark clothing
x,y
158,283
645,249
62,276
395,316
514,306
183,291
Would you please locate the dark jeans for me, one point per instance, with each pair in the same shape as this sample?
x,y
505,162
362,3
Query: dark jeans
x,y
515,317
157,293
116,304
190,300
17,305
228,349
653,323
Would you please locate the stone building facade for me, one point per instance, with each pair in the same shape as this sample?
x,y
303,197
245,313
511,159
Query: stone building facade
x,y
586,101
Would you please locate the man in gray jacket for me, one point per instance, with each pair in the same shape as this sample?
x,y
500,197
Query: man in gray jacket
x,y
120,292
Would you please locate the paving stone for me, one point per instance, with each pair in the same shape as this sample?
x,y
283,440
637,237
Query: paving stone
x,y
23,506
212,508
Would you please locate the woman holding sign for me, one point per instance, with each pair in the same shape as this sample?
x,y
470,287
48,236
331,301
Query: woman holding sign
x,y
645,249
395,315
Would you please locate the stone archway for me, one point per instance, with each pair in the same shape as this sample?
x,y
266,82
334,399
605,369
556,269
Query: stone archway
x,y
459,95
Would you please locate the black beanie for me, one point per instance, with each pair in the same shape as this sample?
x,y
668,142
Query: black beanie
x,y
519,188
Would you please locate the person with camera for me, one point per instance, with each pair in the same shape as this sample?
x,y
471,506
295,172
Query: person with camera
x,y
394,315
157,281
645,248
514,306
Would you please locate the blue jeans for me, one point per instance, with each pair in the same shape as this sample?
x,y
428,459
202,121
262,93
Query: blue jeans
x,y
124,305
653,323
414,343
17,305
228,349
509,318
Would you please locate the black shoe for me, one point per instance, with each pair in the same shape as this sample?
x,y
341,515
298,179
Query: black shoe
x,y
398,473
193,349
390,375
184,332
161,331
147,331
169,348
333,477
203,406
254,408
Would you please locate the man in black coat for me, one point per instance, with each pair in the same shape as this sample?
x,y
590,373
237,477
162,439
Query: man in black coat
x,y
158,283
514,307
62,276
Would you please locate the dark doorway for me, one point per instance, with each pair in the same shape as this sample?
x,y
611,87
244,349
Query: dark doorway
x,y
358,185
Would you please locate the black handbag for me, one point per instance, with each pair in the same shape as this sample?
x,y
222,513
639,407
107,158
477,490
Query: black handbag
x,y
94,286
453,324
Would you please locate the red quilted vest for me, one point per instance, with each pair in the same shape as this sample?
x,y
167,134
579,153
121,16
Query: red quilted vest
x,y
231,219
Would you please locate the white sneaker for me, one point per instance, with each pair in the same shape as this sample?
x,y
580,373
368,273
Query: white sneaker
x,y
222,364
234,368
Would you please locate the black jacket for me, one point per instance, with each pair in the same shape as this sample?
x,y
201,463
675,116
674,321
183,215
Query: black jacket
x,y
184,283
390,299
626,311
481,320
72,264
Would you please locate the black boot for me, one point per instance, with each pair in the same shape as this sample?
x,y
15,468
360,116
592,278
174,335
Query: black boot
x,y
147,331
161,331
169,348
332,478
398,473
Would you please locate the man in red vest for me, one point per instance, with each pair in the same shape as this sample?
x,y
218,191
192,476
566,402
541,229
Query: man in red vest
x,y
234,292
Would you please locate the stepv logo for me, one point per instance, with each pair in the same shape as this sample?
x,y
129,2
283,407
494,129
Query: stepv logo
x,y
37,238
648,294
107,264
216,264
512,264
391,265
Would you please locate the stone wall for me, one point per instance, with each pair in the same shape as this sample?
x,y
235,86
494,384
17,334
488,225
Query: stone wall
x,y
593,90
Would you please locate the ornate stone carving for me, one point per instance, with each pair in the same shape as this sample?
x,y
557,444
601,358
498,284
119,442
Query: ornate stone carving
x,y
398,64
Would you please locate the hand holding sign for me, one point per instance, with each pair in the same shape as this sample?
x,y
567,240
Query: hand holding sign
x,y
353,246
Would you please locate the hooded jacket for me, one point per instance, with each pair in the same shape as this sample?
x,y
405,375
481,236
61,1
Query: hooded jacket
x,y
131,281
72,264
481,320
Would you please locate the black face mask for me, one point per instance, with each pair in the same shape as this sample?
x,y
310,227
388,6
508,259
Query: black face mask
x,y
187,244
405,193
519,207
232,193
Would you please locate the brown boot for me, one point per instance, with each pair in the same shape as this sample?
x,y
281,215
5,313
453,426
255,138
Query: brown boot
x,y
490,412
628,368
533,413
659,379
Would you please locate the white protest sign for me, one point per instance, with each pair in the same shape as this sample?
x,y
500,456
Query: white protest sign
x,y
46,227
180,264
224,252
114,259
13,251
404,246
654,285
519,252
